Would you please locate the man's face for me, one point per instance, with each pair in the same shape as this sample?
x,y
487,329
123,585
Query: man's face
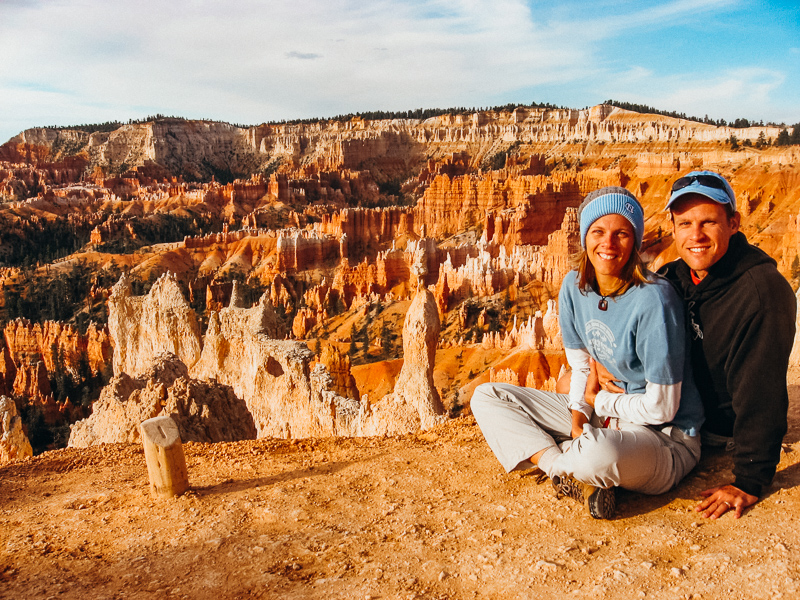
x,y
702,230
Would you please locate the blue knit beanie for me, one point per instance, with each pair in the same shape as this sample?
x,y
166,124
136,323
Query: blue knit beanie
x,y
608,201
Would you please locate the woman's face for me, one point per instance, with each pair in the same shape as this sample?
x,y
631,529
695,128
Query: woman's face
x,y
609,243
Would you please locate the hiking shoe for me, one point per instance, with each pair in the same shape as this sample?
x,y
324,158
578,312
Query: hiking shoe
x,y
601,502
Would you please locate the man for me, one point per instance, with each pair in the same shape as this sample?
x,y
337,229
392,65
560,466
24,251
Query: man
x,y
741,315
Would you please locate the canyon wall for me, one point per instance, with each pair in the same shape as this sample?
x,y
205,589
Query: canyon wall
x,y
512,210
392,148
282,395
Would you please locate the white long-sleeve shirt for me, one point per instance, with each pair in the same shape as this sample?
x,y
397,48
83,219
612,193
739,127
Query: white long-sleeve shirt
x,y
659,404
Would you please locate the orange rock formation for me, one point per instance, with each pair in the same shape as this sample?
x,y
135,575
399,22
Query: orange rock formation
x,y
496,196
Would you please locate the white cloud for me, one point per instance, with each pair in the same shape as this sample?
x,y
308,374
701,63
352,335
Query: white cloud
x,y
241,62
598,21
745,92
742,92
249,61
664,13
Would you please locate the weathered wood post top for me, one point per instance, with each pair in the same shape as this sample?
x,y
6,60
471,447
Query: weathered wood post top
x,y
163,452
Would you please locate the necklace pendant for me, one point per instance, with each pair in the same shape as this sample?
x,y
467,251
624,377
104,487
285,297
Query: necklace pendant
x,y
603,304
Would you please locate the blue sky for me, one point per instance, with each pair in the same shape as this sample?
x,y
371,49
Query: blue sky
x,y
249,61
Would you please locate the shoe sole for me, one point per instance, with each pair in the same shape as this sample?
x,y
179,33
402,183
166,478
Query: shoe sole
x,y
601,503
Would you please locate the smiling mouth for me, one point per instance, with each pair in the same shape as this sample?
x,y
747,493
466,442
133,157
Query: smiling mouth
x,y
606,256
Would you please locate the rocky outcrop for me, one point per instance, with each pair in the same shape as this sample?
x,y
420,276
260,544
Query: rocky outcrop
x,y
300,250
503,376
245,192
32,381
335,186
8,372
114,228
533,369
53,340
390,275
338,365
282,394
789,259
25,175
514,210
551,339
272,376
358,280
478,276
203,411
143,326
282,292
225,237
414,404
198,149
486,269
551,263
539,332
36,353
303,322
504,183
367,228
14,444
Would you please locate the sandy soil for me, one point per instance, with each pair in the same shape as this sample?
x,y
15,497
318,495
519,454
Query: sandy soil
x,y
422,516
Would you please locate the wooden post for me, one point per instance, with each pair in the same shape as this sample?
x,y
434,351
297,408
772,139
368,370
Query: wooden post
x,y
163,453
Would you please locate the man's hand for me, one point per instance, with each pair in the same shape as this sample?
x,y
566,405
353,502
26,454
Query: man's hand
x,y
607,380
578,421
721,499
592,384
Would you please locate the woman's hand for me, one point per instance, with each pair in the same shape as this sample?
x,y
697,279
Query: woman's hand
x,y
578,421
607,380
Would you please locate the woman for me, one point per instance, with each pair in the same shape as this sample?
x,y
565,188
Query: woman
x,y
615,312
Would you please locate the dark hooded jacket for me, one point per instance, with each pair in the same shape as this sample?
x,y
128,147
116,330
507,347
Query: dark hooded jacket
x,y
741,318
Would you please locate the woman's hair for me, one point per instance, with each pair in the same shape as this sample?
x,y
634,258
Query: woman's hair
x,y
634,272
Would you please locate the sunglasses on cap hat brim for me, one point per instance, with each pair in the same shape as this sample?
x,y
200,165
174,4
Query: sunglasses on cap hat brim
x,y
706,180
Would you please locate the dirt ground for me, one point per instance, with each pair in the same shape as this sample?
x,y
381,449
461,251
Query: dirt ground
x,y
419,516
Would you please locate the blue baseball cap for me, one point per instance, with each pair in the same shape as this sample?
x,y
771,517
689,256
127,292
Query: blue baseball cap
x,y
706,183
607,201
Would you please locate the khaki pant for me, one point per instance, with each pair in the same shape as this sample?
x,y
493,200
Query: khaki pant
x,y
518,422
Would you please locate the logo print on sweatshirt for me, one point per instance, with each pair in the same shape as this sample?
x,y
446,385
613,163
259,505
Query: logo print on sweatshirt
x,y
601,342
